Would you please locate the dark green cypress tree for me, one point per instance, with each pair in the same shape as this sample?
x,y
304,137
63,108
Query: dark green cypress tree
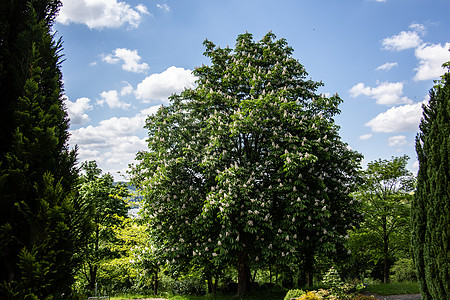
x,y
431,205
37,170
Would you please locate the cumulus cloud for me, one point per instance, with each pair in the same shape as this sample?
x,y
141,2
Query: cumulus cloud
x,y
98,14
386,93
159,86
403,40
164,7
114,142
431,57
77,109
112,99
403,118
365,136
387,66
397,141
126,90
130,59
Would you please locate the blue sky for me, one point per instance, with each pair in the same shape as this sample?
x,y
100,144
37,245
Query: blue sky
x,y
123,58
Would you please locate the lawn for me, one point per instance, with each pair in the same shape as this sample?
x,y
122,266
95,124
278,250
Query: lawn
x,y
396,288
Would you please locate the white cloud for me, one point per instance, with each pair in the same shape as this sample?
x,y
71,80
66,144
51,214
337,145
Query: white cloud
x,y
387,66
112,99
415,166
164,7
365,136
126,90
159,86
419,28
404,118
97,14
386,93
142,9
397,141
403,40
114,142
431,57
77,109
130,59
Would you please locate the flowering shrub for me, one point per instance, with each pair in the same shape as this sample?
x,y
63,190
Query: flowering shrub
x,y
311,295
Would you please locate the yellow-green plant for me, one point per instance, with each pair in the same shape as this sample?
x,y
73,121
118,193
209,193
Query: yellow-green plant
x,y
294,294
311,295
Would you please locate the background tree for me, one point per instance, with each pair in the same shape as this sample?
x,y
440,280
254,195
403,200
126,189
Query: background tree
x,y
37,171
431,204
103,204
385,193
247,168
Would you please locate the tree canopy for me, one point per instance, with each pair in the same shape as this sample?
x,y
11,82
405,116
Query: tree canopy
x,y
102,205
431,204
247,168
385,193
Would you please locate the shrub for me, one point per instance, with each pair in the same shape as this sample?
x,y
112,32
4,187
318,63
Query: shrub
x,y
403,270
294,294
188,286
332,280
311,295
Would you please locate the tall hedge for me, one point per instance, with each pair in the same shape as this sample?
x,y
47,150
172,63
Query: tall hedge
x,y
38,229
431,204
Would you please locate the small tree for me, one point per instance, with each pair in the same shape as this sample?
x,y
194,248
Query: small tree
x,y
248,168
102,205
431,205
385,194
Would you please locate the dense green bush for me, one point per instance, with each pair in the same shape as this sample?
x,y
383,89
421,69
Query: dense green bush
x,y
188,286
403,270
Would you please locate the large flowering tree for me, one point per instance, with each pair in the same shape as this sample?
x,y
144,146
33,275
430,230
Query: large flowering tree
x,y
248,167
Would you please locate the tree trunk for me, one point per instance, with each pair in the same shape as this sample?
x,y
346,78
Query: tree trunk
x,y
301,277
155,283
385,252
92,276
270,273
386,262
211,284
309,269
243,275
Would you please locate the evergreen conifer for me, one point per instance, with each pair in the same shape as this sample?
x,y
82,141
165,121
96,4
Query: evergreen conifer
x,y
431,205
37,170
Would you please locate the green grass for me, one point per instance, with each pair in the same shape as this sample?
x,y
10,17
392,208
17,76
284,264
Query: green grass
x,y
396,288
275,294
267,295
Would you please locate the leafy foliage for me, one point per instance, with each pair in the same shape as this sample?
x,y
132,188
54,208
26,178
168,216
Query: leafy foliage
x,y
384,234
296,293
431,205
247,168
102,205
404,270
